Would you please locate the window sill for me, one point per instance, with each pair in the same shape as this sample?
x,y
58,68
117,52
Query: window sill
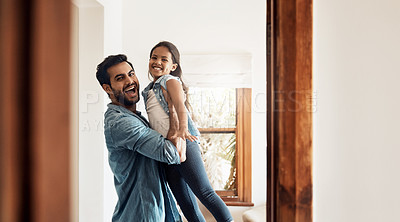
x,y
239,203
231,199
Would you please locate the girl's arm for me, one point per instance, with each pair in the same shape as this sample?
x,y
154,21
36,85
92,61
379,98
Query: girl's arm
x,y
179,143
173,116
175,92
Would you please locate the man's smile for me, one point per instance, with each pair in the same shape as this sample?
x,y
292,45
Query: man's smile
x,y
131,90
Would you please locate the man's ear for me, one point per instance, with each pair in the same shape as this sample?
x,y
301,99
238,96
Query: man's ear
x,y
107,88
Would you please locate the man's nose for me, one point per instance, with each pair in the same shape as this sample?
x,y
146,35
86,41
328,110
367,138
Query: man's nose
x,y
130,80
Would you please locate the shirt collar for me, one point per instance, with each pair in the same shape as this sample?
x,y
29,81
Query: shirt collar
x,y
122,109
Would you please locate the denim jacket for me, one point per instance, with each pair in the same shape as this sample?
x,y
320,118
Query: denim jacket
x,y
135,154
156,86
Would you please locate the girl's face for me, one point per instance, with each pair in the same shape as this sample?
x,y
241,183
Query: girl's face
x,y
161,63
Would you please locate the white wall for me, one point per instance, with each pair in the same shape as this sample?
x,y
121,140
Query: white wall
x,y
88,49
356,124
74,113
207,26
112,24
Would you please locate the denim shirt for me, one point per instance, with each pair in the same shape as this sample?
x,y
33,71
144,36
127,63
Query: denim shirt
x,y
156,86
135,155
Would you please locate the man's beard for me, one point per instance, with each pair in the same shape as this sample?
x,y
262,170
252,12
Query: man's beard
x,y
119,95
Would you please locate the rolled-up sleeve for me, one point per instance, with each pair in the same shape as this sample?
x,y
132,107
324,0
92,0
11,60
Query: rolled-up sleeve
x,y
130,133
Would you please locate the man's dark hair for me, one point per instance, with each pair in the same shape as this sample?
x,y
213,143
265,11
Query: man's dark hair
x,y
102,75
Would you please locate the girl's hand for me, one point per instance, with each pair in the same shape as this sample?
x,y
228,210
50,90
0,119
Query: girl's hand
x,y
186,135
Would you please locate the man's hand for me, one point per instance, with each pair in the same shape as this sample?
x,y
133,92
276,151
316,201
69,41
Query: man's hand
x,y
180,145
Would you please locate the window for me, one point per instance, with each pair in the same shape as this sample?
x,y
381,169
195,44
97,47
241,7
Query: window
x,y
223,116
220,96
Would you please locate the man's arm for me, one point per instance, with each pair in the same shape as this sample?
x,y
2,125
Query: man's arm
x,y
128,132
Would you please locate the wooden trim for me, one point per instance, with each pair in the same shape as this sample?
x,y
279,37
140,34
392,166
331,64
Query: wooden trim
x,y
289,133
239,204
271,166
50,118
34,116
226,193
217,130
14,111
243,144
231,199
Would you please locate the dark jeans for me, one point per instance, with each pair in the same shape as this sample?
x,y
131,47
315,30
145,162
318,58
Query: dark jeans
x,y
191,176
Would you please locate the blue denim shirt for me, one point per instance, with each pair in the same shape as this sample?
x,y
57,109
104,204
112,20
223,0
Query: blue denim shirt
x,y
135,153
156,86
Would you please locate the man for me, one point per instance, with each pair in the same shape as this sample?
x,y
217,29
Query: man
x,y
135,150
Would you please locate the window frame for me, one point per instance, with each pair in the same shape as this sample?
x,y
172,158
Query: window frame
x,y
242,196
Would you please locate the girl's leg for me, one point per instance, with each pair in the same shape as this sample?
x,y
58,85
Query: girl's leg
x,y
183,194
194,173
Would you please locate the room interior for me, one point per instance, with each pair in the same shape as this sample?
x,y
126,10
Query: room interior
x,y
108,27
353,104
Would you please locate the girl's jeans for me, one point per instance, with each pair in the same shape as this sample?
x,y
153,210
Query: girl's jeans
x,y
191,176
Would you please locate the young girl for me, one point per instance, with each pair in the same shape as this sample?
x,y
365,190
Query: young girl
x,y
190,175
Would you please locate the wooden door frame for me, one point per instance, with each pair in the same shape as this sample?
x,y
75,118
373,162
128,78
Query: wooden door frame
x,y
34,116
289,110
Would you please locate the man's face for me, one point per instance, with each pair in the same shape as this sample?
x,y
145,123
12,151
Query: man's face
x,y
124,89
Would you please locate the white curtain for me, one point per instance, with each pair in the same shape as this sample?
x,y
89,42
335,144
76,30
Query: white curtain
x,y
217,70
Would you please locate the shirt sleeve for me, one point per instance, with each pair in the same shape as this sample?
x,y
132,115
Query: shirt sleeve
x,y
130,133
